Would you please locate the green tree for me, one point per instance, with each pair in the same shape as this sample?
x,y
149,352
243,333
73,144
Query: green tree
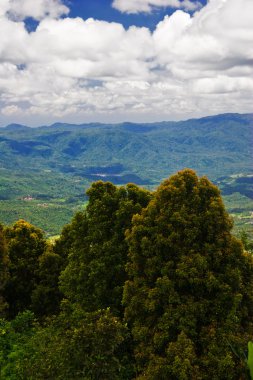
x,y
70,233
247,243
95,274
46,296
73,345
4,269
250,358
189,295
26,244
14,336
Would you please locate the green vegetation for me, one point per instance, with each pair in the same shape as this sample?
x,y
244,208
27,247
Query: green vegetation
x,y
49,216
46,296
99,250
54,165
25,245
4,269
140,285
241,210
250,358
185,299
215,146
48,200
75,345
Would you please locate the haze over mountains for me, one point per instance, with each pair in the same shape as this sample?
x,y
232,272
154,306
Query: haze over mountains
x,y
56,163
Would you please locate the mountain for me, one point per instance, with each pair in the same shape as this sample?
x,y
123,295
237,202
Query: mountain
x,y
16,127
215,146
57,162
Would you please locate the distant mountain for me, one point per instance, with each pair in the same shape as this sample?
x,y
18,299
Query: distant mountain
x,y
44,171
15,127
146,153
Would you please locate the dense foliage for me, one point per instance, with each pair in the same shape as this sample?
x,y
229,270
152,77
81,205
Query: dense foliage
x,y
100,250
187,307
75,345
25,245
4,272
188,296
46,296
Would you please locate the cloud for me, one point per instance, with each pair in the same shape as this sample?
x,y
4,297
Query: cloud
x,y
11,110
38,9
138,6
75,69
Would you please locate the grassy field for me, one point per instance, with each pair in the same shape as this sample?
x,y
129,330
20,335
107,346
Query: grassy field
x,y
49,216
45,199
240,208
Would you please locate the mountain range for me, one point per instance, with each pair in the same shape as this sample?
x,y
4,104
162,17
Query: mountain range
x,y
58,161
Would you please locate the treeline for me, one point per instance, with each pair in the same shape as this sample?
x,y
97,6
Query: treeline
x,y
140,285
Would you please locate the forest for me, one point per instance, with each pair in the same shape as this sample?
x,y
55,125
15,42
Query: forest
x,y
140,285
45,170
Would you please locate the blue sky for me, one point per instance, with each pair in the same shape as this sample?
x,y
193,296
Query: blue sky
x,y
103,10
124,60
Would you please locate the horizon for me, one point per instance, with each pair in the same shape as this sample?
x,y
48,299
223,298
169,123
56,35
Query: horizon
x,y
125,122
109,61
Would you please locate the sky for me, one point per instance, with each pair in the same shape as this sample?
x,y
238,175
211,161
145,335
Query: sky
x,y
124,60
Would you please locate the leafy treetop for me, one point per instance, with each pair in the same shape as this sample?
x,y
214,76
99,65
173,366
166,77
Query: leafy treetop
x,y
189,295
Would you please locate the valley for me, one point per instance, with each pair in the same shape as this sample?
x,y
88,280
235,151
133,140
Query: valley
x,y
45,171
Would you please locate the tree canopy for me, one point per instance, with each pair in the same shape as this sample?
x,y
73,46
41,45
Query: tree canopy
x,y
152,286
95,274
4,269
26,244
189,297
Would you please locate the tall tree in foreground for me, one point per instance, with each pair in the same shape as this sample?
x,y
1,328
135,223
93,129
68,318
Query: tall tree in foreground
x,y
189,297
26,244
95,274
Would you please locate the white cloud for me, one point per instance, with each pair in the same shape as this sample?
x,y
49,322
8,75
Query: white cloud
x,y
138,6
37,9
13,41
11,110
223,84
75,69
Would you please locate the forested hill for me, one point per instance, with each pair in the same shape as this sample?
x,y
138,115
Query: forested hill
x,y
45,171
141,153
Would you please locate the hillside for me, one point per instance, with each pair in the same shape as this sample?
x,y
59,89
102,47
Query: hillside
x,y
53,164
